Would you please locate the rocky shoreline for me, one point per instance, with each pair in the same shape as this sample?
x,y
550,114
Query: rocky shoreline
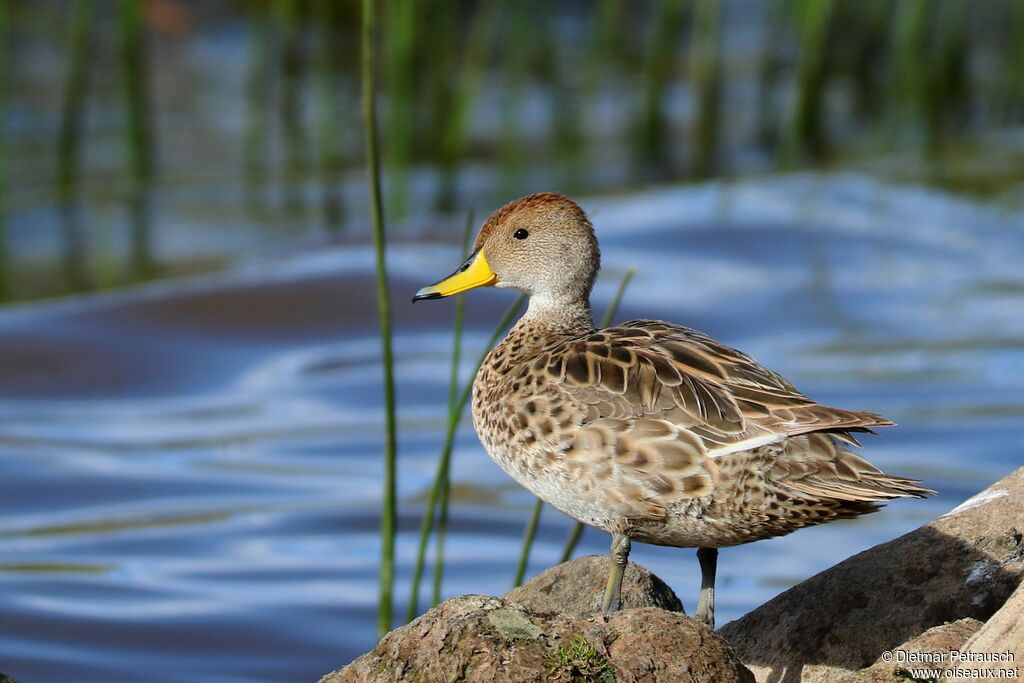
x,y
950,586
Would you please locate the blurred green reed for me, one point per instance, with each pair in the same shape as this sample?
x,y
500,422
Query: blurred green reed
x,y
946,84
293,81
69,141
805,129
606,50
1011,96
444,460
769,72
563,85
388,512
929,85
442,23
530,531
331,161
258,84
5,58
401,51
139,132
651,127
706,73
470,70
517,58
524,88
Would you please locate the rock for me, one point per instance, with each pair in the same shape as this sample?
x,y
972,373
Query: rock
x,y
480,638
576,587
937,642
963,565
1003,635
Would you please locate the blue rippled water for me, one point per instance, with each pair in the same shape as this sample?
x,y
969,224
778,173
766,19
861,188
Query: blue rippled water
x,y
190,471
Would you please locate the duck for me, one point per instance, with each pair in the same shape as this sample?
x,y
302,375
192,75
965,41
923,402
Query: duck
x,y
649,431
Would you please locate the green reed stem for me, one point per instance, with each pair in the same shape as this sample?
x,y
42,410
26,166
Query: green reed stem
x,y
1011,105
133,57
444,462
401,76
293,81
453,400
534,519
515,67
805,130
571,541
257,96
706,76
652,146
529,534
388,511
330,154
69,140
139,132
455,132
76,83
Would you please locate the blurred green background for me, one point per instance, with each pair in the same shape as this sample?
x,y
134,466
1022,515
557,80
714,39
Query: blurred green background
x,y
147,139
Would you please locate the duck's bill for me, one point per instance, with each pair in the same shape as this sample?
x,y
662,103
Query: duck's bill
x,y
475,272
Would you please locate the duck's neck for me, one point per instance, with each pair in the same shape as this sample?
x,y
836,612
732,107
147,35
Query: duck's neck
x,y
568,315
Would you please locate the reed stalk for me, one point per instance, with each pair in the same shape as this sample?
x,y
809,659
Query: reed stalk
x,y
401,87
1011,104
473,65
805,130
515,75
529,534
453,401
706,73
257,96
531,524
328,114
444,461
388,510
947,83
293,80
769,73
604,44
565,85
861,48
909,33
69,141
140,134
652,148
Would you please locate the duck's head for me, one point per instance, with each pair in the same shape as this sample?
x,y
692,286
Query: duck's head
x,y
542,244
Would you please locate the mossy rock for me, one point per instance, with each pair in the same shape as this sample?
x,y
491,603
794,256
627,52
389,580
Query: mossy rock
x,y
480,638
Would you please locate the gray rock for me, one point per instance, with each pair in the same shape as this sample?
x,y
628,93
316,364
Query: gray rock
x,y
936,642
963,565
576,587
1003,634
480,638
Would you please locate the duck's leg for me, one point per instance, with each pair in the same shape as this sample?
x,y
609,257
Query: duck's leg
x,y
619,557
708,558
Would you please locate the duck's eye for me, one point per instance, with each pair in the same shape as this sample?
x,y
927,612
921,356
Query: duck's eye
x,y
521,234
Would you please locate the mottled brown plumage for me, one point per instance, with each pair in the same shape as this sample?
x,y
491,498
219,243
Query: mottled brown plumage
x,y
652,431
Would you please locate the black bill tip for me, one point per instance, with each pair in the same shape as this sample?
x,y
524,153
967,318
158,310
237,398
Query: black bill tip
x,y
422,296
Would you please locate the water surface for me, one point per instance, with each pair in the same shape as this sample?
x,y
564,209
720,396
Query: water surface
x,y
190,471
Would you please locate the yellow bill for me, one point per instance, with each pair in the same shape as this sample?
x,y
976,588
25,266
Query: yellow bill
x,y
475,272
